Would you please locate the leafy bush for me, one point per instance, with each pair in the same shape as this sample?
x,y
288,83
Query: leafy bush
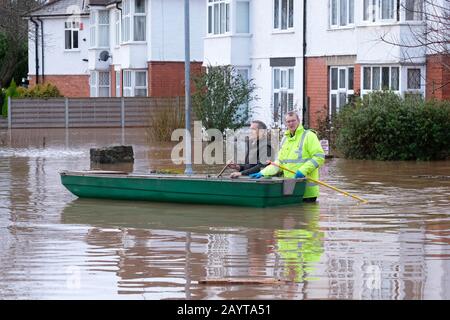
x,y
221,98
10,92
163,122
384,126
44,91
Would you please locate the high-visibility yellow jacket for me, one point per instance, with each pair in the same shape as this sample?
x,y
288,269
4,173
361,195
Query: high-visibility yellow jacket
x,y
303,152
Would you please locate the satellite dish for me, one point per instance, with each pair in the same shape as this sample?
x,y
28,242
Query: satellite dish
x,y
104,56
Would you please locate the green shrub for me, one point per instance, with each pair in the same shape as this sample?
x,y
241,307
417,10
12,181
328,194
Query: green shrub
x,y
10,92
221,98
164,121
384,126
43,91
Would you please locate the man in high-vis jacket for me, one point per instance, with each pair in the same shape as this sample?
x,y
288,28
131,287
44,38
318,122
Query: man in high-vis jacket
x,y
301,152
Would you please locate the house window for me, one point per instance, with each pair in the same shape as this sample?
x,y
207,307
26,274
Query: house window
x,y
242,17
135,83
381,78
218,16
93,29
103,28
100,84
134,23
139,20
341,87
413,10
342,13
283,14
126,20
283,92
117,28
71,32
414,79
380,10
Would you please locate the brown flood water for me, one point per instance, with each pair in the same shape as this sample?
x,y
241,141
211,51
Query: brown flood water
x,y
55,246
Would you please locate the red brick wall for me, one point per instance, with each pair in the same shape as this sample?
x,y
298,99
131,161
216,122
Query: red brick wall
x,y
166,79
113,81
317,89
72,86
438,77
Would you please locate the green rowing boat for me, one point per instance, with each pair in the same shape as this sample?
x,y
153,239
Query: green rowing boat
x,y
200,189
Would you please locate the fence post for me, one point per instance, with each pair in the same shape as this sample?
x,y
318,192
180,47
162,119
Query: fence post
x,y
67,112
9,113
122,112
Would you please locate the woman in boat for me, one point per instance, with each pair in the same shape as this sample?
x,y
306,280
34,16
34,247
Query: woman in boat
x,y
258,151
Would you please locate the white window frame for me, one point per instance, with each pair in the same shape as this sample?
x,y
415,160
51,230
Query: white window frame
x,y
103,26
129,83
93,29
117,28
350,18
240,15
218,24
365,91
95,86
118,81
421,89
375,11
277,16
128,35
285,88
73,27
340,88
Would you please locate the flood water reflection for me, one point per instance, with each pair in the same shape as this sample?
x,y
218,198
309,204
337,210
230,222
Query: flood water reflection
x,y
54,245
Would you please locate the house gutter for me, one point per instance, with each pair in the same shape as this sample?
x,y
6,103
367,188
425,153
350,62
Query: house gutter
x,y
36,48
304,66
42,48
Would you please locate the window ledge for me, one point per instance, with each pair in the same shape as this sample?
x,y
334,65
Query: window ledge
x,y
133,43
72,50
215,36
350,27
288,31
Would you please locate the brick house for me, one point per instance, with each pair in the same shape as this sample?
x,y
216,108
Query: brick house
x,y
113,48
309,56
319,53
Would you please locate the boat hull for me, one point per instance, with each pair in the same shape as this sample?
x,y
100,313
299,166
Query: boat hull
x,y
185,189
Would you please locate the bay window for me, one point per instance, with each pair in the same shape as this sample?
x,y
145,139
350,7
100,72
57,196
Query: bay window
x,y
218,16
413,10
380,10
135,83
99,29
134,20
380,78
99,84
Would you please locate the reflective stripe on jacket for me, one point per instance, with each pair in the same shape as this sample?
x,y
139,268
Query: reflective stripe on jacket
x,y
303,152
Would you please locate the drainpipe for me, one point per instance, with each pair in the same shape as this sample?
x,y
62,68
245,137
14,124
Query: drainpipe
x,y
304,64
36,48
42,48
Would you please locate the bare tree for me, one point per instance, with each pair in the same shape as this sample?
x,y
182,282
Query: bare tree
x,y
431,37
14,31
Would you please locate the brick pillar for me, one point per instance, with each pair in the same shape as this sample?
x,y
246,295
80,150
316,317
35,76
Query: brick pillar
x,y
357,79
317,89
438,77
112,88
